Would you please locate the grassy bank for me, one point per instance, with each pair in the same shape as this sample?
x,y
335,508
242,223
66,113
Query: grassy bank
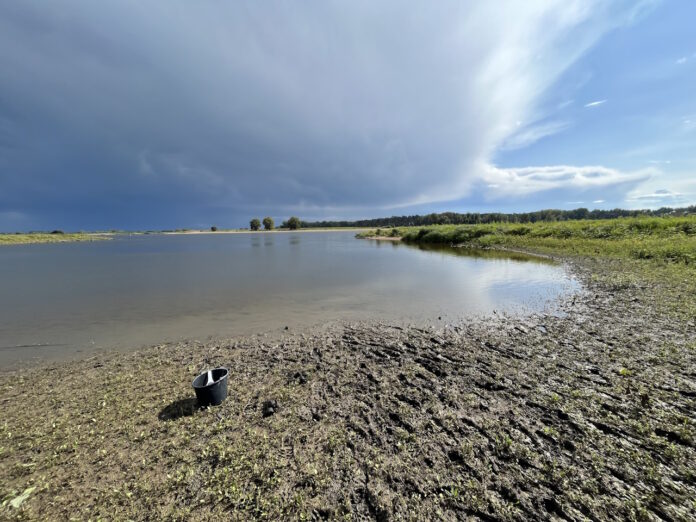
x,y
41,237
667,239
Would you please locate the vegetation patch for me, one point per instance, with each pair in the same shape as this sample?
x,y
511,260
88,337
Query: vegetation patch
x,y
56,236
663,239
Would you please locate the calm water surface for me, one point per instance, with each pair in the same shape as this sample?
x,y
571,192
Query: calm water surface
x,y
59,300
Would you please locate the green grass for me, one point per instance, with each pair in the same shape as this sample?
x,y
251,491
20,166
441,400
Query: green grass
x,y
658,238
40,237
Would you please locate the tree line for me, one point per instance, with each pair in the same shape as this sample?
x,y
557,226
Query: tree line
x,y
475,218
268,224
472,218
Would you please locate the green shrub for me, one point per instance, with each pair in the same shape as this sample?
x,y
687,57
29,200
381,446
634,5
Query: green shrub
x,y
294,223
518,231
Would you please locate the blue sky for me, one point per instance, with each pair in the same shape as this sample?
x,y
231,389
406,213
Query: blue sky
x,y
174,114
628,104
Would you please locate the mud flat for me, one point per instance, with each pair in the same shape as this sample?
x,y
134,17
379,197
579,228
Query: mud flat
x,y
584,415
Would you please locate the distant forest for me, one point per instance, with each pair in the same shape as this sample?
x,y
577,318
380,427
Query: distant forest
x,y
473,218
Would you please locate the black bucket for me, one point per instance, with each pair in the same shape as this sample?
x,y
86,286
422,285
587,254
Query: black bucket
x,y
214,393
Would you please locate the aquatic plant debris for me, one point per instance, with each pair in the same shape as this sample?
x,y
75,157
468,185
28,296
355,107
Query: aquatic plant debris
x,y
17,501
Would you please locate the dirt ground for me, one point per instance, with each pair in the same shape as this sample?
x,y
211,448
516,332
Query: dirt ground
x,y
585,415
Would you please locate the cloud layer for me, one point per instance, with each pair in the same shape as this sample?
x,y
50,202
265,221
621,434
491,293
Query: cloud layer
x,y
528,180
119,111
566,181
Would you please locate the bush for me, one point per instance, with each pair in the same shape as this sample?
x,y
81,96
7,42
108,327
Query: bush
x,y
294,223
57,232
687,228
268,223
518,231
255,224
213,229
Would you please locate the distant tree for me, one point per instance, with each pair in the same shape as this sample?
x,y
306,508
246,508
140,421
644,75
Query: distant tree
x,y
57,232
268,223
213,229
254,224
293,223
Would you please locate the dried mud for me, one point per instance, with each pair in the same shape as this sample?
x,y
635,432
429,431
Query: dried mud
x,y
585,416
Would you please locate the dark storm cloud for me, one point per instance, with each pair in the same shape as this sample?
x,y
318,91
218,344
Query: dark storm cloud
x,y
143,114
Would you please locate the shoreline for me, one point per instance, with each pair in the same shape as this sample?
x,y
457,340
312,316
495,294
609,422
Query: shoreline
x,y
7,239
274,231
43,238
584,415
381,238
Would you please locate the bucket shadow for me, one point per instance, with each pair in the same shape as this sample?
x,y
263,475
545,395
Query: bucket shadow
x,y
179,409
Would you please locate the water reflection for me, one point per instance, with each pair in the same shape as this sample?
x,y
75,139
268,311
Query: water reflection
x,y
479,253
146,289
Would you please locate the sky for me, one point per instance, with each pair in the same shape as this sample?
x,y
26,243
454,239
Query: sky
x,y
177,114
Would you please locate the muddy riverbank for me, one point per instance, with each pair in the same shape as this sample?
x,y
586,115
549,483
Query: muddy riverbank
x,y
584,415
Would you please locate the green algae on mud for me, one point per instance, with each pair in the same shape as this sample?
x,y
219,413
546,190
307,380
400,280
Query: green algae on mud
x,y
585,415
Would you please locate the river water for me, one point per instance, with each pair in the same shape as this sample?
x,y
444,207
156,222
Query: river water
x,y
69,299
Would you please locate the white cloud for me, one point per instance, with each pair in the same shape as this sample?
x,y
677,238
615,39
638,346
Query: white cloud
x,y
676,189
661,197
533,133
595,103
530,180
682,60
661,194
